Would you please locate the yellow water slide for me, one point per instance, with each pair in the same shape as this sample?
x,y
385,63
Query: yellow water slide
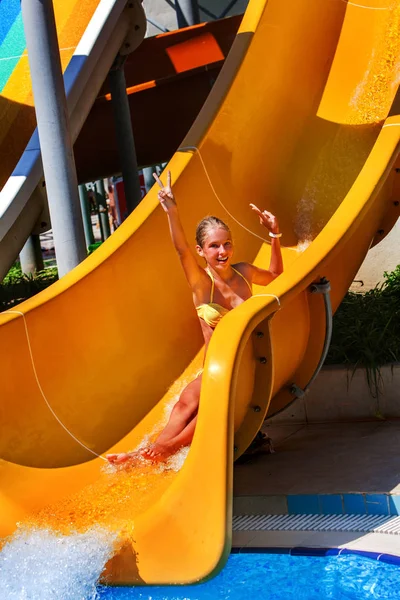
x,y
302,122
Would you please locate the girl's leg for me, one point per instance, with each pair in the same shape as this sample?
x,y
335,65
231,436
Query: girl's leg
x,y
184,411
182,416
161,451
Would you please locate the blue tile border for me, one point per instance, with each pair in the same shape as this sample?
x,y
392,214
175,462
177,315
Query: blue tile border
x,y
392,559
300,551
354,504
377,504
331,504
303,504
366,553
348,504
317,551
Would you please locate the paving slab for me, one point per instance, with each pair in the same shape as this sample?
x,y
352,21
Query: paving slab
x,y
334,458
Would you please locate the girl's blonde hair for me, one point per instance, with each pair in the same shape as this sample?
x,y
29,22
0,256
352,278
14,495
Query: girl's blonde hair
x,y
205,225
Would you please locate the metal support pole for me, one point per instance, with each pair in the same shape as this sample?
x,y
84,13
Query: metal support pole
x,y
103,208
187,12
227,9
97,211
53,128
148,177
87,219
124,134
116,199
30,257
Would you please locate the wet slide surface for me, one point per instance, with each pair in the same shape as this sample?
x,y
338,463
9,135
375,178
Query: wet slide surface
x,y
309,134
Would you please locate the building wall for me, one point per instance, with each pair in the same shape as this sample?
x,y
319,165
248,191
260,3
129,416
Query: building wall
x,y
163,12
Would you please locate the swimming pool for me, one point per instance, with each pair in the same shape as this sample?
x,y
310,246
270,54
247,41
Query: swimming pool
x,y
278,576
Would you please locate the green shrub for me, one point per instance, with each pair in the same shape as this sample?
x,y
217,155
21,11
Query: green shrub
x,y
366,329
14,275
17,287
93,247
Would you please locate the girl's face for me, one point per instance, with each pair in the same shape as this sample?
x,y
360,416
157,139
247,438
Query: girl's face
x,y
217,248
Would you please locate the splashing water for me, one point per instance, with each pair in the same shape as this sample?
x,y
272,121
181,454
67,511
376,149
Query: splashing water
x,y
341,158
60,552
121,493
43,565
374,94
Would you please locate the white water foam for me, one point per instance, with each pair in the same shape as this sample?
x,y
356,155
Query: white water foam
x,y
38,564
42,565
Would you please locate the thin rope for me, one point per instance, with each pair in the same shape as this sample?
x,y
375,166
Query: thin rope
x,y
270,295
266,241
216,195
367,7
182,148
17,312
363,5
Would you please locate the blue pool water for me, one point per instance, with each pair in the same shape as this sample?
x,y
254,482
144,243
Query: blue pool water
x,y
282,577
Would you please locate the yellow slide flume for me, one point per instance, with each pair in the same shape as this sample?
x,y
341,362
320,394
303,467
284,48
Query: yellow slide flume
x,y
298,123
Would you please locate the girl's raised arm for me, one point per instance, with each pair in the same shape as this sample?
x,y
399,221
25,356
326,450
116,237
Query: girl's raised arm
x,y
192,270
270,222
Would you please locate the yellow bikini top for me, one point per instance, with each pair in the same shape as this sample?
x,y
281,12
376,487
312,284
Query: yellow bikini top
x,y
212,313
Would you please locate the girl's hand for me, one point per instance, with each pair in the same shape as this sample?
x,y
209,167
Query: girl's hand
x,y
267,219
165,195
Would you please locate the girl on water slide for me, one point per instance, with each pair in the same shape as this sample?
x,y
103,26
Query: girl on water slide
x,y
216,289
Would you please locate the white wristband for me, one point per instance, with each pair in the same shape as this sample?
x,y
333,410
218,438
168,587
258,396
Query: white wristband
x,y
274,235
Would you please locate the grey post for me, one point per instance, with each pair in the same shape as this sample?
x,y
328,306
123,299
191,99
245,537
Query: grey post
x,y
87,219
31,257
53,127
103,208
187,12
124,135
97,208
148,177
119,216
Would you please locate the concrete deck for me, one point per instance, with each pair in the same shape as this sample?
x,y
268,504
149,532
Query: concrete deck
x,y
316,469
325,459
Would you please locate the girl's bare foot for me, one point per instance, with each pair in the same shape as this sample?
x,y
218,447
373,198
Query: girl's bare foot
x,y
157,452
119,459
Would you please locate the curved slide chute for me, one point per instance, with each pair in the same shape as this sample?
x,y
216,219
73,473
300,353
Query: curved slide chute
x,y
304,120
